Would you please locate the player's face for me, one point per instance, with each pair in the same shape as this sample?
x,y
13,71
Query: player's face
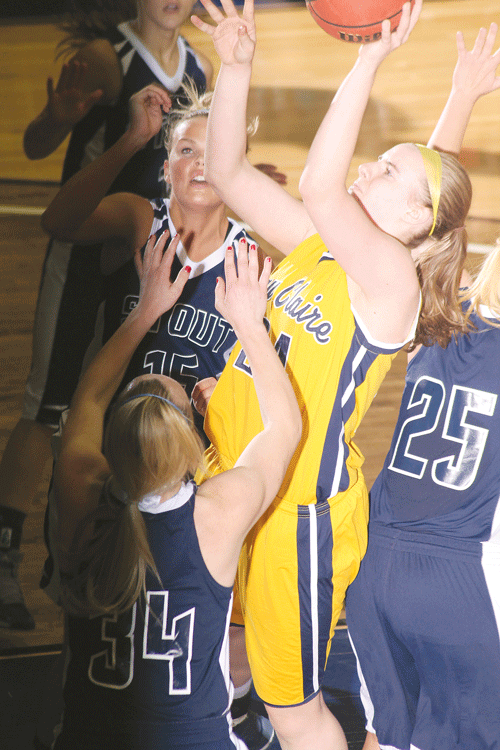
x,y
390,190
165,14
184,169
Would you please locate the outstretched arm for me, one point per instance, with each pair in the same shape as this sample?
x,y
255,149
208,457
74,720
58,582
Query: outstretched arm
x,y
369,256
80,212
474,76
81,463
256,198
92,76
238,497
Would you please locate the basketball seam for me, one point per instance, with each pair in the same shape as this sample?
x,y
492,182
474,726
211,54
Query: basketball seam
x,y
340,26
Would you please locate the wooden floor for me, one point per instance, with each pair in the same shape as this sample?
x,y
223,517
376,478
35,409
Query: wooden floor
x,y
297,69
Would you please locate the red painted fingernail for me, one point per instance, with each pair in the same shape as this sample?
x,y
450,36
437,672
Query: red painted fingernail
x,y
253,247
187,268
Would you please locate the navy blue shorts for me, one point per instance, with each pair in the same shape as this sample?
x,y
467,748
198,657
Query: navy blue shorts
x,y
422,621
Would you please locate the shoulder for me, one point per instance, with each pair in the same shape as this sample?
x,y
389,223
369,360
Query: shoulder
x,y
103,68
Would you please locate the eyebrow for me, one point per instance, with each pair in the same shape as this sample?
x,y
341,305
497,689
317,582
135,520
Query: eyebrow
x,y
389,162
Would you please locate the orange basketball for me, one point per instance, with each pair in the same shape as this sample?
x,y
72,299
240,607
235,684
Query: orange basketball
x,y
355,20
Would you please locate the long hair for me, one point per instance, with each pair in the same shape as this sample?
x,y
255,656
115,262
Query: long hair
x,y
92,19
440,267
150,448
485,289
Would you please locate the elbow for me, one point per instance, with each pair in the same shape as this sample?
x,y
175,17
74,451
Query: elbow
x,y
216,176
51,227
31,148
47,224
310,188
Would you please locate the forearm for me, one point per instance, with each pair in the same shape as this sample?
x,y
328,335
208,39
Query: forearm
x,y
227,125
105,373
331,152
277,401
82,193
43,136
449,132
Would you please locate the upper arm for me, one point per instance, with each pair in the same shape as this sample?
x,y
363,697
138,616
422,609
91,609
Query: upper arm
x,y
371,258
384,287
78,476
120,216
266,207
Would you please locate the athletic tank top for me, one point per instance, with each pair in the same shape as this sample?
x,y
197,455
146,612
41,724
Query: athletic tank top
x,y
335,367
442,472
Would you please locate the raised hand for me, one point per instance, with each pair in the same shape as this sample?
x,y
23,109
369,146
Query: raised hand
x,y
389,41
146,108
68,102
474,73
157,292
233,35
242,298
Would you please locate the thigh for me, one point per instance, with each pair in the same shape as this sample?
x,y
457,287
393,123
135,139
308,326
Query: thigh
x,y
430,611
389,680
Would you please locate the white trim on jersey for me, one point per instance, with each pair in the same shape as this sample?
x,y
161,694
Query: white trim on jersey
x,y
152,503
212,260
383,344
364,693
487,312
172,83
490,562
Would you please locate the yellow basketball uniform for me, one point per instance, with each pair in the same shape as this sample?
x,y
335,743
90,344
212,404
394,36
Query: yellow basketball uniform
x,y
300,557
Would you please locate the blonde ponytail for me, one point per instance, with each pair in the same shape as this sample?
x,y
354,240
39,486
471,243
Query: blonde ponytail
x,y
151,446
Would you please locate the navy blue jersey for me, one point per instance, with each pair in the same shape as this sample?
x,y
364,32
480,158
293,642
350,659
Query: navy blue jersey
x,y
442,473
190,342
72,284
104,125
160,670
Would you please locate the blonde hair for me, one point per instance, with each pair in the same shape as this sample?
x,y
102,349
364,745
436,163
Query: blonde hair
x,y
440,266
193,104
151,447
485,289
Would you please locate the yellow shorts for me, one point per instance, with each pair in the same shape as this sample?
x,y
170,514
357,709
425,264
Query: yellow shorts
x,y
294,570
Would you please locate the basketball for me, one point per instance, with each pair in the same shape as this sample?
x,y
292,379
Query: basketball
x,y
355,20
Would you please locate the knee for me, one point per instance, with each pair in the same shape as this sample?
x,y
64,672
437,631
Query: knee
x,y
290,722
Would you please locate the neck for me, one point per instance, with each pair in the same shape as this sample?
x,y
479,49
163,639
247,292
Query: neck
x,y
161,43
202,232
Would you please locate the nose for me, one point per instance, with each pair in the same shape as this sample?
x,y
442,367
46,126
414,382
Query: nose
x,y
200,158
366,170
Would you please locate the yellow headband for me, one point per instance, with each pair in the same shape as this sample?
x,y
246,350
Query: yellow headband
x,y
433,169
